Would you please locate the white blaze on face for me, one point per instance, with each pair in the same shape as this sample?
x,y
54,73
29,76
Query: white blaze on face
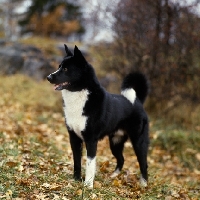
x,y
74,103
55,71
130,94
90,172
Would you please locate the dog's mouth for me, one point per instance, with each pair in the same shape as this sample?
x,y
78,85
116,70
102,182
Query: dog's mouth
x,y
61,86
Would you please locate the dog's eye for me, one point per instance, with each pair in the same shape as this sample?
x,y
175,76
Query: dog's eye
x,y
65,69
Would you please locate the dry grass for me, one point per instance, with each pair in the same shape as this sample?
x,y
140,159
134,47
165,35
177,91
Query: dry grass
x,y
36,159
46,45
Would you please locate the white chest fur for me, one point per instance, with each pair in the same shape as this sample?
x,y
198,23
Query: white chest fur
x,y
74,103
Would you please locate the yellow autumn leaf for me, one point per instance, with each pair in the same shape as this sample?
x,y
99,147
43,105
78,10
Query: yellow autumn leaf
x,y
116,183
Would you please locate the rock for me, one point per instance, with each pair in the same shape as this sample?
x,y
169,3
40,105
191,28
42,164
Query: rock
x,y
11,61
28,60
37,68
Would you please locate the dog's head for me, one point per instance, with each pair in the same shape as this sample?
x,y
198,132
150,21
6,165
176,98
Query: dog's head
x,y
71,72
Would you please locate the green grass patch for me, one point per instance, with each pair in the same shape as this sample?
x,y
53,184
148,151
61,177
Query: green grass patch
x,y
179,142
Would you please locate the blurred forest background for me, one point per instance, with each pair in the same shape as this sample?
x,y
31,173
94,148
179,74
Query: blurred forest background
x,y
160,38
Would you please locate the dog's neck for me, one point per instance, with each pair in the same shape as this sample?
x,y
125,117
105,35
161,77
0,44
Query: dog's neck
x,y
74,103
74,97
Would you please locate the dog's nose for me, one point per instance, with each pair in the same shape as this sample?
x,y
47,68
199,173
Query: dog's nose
x,y
50,77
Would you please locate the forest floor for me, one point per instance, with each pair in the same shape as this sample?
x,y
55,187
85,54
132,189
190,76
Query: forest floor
x,y
36,159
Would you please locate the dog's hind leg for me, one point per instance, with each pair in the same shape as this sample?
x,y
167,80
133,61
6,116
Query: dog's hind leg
x,y
90,163
76,146
117,145
140,143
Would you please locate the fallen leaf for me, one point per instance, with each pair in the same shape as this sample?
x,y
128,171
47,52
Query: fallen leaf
x,y
55,187
198,156
11,164
56,197
168,198
41,196
46,185
104,166
97,184
196,171
79,192
117,183
9,194
20,168
93,196
175,194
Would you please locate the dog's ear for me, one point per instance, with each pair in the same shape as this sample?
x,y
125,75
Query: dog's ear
x,y
77,54
68,52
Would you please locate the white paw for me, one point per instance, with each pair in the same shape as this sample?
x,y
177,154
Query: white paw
x,y
143,182
88,184
115,173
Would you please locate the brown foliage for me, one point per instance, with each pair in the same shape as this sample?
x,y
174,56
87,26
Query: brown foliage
x,y
52,23
160,38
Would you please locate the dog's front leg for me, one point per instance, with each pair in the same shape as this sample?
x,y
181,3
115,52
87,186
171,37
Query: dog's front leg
x,y
76,145
90,163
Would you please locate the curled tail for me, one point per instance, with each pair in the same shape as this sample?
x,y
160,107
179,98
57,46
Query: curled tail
x,y
137,83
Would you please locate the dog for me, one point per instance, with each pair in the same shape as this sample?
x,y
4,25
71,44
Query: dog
x,y
91,113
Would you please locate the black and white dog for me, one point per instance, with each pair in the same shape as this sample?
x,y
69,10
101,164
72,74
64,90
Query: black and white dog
x,y
92,113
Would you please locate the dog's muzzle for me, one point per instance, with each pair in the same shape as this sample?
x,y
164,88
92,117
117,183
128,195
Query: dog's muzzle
x,y
50,77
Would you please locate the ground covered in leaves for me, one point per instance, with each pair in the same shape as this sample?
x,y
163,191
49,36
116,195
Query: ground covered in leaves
x,y
36,159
